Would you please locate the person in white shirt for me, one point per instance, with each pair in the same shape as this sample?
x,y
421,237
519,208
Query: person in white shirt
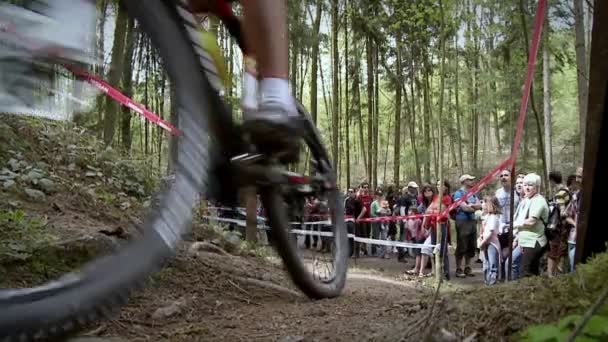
x,y
488,241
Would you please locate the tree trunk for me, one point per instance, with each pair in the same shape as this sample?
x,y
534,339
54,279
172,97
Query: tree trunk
x,y
173,140
101,24
346,98
357,104
581,67
370,109
476,77
388,135
251,228
397,133
376,125
426,125
441,92
457,110
115,73
412,123
335,86
128,87
547,95
315,63
293,51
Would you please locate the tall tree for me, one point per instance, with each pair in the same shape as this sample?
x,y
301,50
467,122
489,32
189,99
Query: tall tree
x,y
314,72
398,93
457,106
346,98
335,85
582,74
128,86
547,94
369,52
116,66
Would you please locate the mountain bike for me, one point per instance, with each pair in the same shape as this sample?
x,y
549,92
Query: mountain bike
x,y
209,141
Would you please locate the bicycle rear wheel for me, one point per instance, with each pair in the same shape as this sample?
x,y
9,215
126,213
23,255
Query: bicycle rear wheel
x,y
63,306
279,201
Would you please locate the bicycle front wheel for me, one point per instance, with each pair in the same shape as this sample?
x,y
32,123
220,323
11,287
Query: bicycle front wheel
x,y
315,253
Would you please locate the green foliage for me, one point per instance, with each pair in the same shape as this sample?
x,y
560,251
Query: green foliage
x,y
596,329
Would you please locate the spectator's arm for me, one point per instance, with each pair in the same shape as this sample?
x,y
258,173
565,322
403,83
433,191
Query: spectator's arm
x,y
530,221
362,213
537,209
464,206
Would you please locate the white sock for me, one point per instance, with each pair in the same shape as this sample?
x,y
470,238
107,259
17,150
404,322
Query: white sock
x,y
275,91
249,98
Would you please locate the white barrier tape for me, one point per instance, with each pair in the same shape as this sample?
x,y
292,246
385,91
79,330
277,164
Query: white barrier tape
x,y
312,232
242,223
393,243
325,223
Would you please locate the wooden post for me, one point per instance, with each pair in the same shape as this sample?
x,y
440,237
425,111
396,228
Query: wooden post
x,y
251,200
438,256
591,234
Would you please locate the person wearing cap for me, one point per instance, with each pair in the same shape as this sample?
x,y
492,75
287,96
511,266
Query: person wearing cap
x,y
466,227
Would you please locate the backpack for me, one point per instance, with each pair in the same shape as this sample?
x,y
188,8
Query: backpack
x,y
554,223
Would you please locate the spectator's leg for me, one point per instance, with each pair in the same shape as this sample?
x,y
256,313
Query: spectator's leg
x,y
471,245
460,245
307,237
375,235
359,233
350,228
326,240
384,250
516,264
571,253
492,260
530,261
444,251
401,250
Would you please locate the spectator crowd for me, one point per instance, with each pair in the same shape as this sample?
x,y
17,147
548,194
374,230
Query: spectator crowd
x,y
543,235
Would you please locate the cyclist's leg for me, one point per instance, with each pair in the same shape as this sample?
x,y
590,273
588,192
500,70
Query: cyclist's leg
x,y
271,126
266,33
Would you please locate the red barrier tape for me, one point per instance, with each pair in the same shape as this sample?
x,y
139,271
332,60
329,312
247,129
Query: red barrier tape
x,y
123,99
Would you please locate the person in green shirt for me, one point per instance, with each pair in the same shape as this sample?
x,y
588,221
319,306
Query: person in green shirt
x,y
374,208
530,224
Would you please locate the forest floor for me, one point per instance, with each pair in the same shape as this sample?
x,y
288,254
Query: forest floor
x,y
63,201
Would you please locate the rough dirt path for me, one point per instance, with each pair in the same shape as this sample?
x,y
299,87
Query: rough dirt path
x,y
206,297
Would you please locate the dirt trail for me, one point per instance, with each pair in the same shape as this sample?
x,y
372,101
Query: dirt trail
x,y
206,297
